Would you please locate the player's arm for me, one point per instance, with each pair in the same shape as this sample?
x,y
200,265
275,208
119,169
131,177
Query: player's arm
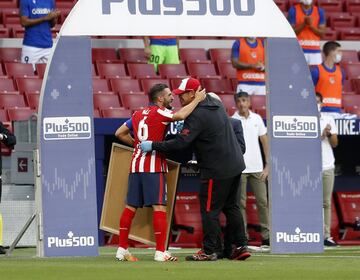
x,y
147,49
123,134
319,31
185,111
25,21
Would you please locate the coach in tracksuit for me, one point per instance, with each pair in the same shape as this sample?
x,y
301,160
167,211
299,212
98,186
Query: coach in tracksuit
x,y
221,162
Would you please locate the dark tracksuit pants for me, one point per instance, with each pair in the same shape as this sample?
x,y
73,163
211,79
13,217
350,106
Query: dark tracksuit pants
x,y
218,196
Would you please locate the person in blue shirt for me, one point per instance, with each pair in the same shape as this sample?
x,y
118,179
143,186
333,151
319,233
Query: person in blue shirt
x,y
38,17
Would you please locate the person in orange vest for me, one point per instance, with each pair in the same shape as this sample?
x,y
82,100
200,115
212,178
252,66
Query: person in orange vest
x,y
308,22
328,79
161,50
247,57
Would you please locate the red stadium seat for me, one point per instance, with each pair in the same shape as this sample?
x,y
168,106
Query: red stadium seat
x,y
191,55
96,113
106,100
341,20
352,110
32,85
222,86
104,54
125,85
10,16
64,13
20,114
32,100
352,6
350,56
100,85
226,70
11,100
202,70
133,55
110,70
167,71
116,113
253,223
17,31
347,86
4,32
352,70
140,71
146,84
134,101
349,33
282,4
16,69
10,54
261,112
351,101
258,101
355,83
220,55
65,3
330,34
8,4
7,85
3,116
227,100
40,69
187,220
331,5
335,225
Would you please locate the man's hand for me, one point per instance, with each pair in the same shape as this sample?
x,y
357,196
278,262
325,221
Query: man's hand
x,y
146,146
147,52
326,132
265,173
308,20
259,66
200,94
52,15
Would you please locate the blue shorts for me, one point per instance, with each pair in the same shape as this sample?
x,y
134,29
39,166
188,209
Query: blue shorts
x,y
146,189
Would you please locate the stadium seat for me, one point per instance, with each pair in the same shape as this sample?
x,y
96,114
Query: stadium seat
x,y
10,54
335,225
16,69
7,85
187,227
8,4
17,31
65,3
20,114
106,100
3,116
40,69
218,86
331,35
331,5
227,100
140,70
352,6
253,223
282,4
116,113
352,70
349,33
132,55
32,100
226,70
10,16
341,20
352,110
347,86
220,55
351,101
355,83
4,32
11,100
146,84
100,85
193,55
231,111
110,70
167,71
64,13
134,101
349,56
96,113
32,85
125,85
103,54
258,102
261,112
202,70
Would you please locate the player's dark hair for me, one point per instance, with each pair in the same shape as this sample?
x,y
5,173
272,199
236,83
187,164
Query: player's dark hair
x,y
155,91
330,46
318,94
240,94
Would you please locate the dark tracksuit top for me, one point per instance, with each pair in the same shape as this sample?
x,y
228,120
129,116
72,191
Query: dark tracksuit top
x,y
210,131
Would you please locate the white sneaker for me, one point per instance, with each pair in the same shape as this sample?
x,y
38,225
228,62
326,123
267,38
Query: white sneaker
x,y
164,257
124,255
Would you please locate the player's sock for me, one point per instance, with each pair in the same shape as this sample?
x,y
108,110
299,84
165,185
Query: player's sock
x,y
125,224
160,226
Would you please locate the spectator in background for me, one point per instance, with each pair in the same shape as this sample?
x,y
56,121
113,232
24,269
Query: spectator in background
x,y
329,140
161,50
7,138
38,17
247,57
308,22
328,79
255,172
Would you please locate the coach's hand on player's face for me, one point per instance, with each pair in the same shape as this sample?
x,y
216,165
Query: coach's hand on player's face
x,y
146,146
200,94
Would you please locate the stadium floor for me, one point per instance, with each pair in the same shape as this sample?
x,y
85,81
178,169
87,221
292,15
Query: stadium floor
x,y
338,263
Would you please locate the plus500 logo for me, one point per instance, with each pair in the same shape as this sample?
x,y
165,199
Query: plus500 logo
x,y
298,237
71,241
295,127
187,7
67,128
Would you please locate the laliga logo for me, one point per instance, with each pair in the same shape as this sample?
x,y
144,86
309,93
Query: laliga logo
x,y
187,7
71,241
295,127
298,237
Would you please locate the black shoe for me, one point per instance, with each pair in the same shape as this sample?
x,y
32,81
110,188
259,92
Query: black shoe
x,y
202,257
265,242
240,254
2,250
329,242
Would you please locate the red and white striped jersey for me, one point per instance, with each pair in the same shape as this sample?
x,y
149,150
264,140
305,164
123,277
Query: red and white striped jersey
x,y
149,124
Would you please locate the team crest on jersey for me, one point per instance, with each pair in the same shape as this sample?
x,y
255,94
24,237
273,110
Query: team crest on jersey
x,y
332,80
253,54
